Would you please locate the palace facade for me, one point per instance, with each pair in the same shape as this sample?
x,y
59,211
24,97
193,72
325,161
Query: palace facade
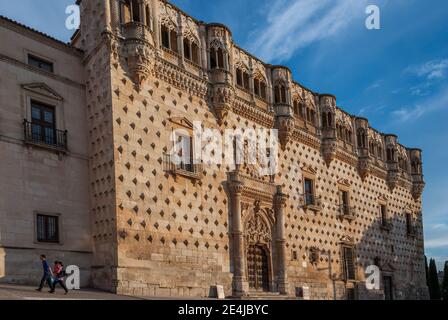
x,y
87,176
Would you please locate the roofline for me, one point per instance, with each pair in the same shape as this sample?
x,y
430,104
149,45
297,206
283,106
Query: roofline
x,y
28,31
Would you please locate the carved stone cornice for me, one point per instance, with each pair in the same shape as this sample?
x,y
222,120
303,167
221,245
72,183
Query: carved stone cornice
x,y
251,188
306,138
347,158
252,112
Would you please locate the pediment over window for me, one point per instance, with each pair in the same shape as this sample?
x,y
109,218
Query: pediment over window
x,y
43,90
182,122
345,182
347,240
309,169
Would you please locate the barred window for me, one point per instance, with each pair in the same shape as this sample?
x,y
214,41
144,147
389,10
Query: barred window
x,y
47,228
349,263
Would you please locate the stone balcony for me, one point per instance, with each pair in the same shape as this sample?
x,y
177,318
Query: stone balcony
x,y
137,31
386,224
311,202
346,212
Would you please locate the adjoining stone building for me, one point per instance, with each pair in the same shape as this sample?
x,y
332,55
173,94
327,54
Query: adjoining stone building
x,y
98,181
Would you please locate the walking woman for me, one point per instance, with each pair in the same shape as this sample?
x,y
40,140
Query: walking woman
x,y
59,275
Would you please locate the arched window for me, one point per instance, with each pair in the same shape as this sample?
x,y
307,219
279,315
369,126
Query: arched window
x,y
372,149
362,139
125,11
260,87
242,78
191,51
130,11
416,167
148,15
348,136
390,154
280,94
216,58
296,107
169,38
403,164
311,116
302,110
187,49
379,151
327,120
135,11
324,120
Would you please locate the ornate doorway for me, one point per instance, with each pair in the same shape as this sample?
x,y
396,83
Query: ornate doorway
x,y
258,245
258,268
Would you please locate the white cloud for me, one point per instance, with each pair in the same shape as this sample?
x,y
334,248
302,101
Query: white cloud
x,y
294,24
431,70
438,242
431,104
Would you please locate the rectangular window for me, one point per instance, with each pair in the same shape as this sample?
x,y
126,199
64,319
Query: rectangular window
x,y
409,225
349,263
47,228
345,202
43,124
40,63
184,152
309,192
383,215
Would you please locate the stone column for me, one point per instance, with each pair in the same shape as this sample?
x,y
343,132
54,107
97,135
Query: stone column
x,y
107,14
240,284
279,204
115,16
155,24
142,12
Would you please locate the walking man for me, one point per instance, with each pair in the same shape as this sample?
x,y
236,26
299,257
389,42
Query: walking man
x,y
47,276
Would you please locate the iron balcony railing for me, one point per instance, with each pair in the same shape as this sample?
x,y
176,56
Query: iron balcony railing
x,y
386,224
412,231
41,135
347,212
311,201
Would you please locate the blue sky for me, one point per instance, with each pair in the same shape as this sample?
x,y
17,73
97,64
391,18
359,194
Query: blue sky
x,y
396,76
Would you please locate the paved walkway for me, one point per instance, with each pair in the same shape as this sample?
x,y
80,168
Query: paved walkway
x,y
19,292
